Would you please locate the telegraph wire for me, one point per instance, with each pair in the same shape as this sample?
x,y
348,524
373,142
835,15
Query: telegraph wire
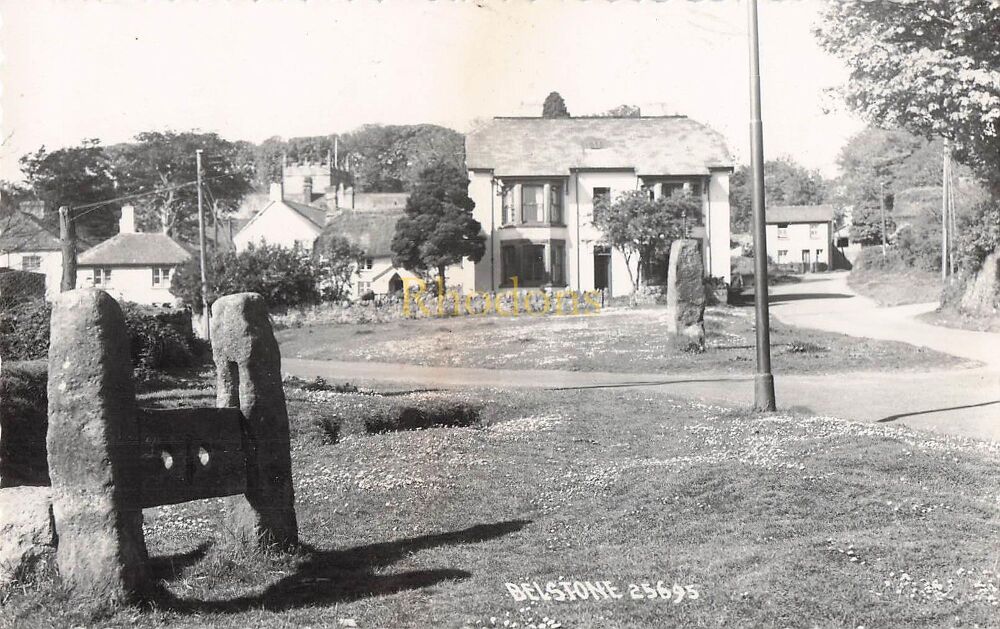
x,y
90,207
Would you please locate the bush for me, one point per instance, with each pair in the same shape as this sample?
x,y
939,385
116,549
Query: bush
x,y
919,245
24,422
24,330
979,235
159,340
871,258
284,277
429,415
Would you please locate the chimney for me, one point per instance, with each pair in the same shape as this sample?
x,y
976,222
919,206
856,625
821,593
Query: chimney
x,y
277,192
126,224
307,190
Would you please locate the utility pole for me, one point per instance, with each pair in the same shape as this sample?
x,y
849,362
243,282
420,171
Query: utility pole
x,y
201,238
763,379
67,242
881,209
952,221
945,177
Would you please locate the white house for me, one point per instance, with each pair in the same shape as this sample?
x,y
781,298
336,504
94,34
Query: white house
x,y
132,266
282,222
801,235
535,180
27,245
372,231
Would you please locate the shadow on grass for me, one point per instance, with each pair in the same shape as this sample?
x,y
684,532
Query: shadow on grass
x,y
407,392
327,577
892,418
649,383
746,299
169,567
776,299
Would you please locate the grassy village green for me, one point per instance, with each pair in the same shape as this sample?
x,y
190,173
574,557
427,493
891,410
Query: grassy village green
x,y
618,339
896,286
774,520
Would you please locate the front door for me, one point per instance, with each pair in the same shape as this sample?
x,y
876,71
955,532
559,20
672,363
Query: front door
x,y
806,259
602,268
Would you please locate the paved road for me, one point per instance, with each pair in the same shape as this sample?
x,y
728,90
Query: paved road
x,y
959,401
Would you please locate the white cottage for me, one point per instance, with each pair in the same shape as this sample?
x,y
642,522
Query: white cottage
x,y
26,244
133,266
282,222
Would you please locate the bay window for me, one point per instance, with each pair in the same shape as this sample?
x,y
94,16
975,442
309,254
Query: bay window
x,y
533,263
532,203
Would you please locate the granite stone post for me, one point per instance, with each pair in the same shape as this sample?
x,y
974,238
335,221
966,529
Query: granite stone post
x,y
248,372
92,449
686,292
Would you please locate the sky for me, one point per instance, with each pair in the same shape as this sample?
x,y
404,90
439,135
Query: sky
x,y
76,69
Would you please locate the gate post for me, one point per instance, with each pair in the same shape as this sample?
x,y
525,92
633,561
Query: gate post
x,y
248,377
93,448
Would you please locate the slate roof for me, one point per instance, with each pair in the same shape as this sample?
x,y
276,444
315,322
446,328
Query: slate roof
x,y
23,232
372,230
800,214
135,249
315,215
667,145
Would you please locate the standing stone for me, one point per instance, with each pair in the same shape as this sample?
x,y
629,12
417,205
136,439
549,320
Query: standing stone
x,y
92,449
248,373
27,535
686,292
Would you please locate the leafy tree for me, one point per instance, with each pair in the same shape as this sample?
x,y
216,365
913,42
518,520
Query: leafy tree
x,y
643,229
11,195
786,182
166,160
926,66
380,158
554,106
622,111
866,224
73,177
886,162
392,158
438,228
337,260
285,277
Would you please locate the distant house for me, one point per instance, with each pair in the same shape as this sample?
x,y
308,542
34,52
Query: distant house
x,y
282,222
372,231
26,244
535,182
801,235
132,266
